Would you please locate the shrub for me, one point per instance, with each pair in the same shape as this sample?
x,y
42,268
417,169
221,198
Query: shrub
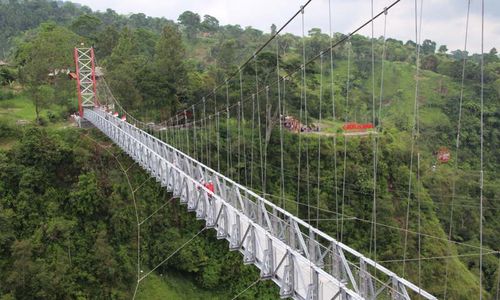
x,y
6,130
52,116
6,94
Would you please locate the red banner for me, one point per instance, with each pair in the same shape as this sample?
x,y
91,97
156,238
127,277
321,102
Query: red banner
x,y
352,126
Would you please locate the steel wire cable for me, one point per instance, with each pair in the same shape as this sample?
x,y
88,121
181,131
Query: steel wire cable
x,y
392,227
332,87
345,139
319,138
457,146
260,49
172,254
415,128
282,119
314,58
247,288
481,178
228,137
259,124
292,175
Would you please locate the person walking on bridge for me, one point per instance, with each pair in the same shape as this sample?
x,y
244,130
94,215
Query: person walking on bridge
x,y
210,186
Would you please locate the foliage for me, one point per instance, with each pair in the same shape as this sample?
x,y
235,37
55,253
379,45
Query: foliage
x,y
7,76
66,209
42,59
68,226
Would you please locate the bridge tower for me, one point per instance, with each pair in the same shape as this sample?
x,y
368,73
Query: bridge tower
x,y
85,78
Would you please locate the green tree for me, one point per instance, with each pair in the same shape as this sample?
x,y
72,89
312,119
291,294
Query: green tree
x,y
87,26
430,62
48,52
428,47
443,49
41,95
169,59
273,29
209,23
25,269
190,23
7,76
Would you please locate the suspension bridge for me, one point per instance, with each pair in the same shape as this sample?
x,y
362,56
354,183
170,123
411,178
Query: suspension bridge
x,y
303,261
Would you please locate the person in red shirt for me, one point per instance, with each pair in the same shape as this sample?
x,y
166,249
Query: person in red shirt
x,y
210,186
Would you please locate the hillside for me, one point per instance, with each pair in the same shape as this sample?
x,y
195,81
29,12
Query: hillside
x,y
66,206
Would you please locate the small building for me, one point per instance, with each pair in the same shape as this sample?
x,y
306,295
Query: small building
x,y
56,72
99,72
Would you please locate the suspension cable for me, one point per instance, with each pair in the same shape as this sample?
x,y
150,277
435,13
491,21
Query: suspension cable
x,y
247,288
261,48
242,107
195,144
332,91
239,142
457,148
204,137
228,138
240,113
373,231
282,119
414,129
349,46
266,142
351,217
334,45
253,139
172,254
177,133
187,132
319,138
218,141
481,173
259,124
306,115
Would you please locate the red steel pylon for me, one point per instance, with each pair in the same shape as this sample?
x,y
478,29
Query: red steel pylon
x,y
86,78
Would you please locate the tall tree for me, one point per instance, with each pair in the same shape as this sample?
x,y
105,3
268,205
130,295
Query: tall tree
x,y
190,23
428,47
210,24
42,59
87,26
443,49
164,83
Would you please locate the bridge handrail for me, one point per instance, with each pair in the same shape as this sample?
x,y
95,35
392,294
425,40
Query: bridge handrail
x,y
200,186
311,228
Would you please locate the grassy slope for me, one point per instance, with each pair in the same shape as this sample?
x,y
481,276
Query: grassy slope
x,y
21,108
172,286
398,102
399,89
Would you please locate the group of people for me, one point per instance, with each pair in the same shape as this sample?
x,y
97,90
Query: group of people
x,y
291,124
310,128
294,125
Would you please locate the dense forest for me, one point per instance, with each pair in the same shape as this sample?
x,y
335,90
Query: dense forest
x,y
67,194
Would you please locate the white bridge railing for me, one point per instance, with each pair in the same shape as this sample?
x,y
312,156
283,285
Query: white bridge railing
x,y
302,260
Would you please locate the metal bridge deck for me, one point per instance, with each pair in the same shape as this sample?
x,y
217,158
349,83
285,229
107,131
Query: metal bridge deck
x,y
302,260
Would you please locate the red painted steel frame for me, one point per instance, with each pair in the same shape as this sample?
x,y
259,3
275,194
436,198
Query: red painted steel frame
x,y
80,108
94,83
